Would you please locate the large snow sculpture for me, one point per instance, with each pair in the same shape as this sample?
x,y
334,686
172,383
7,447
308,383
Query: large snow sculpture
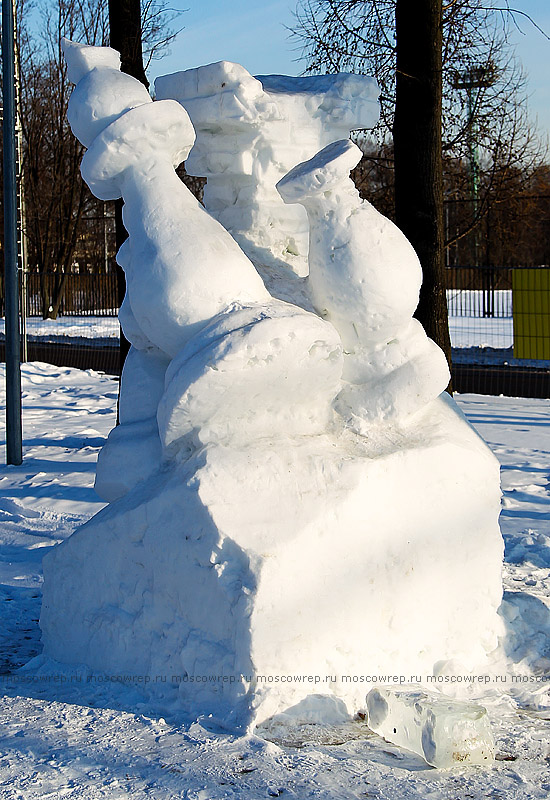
x,y
250,132
294,531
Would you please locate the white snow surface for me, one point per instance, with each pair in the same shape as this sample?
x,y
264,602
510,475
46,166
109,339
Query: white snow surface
x,y
247,140
77,734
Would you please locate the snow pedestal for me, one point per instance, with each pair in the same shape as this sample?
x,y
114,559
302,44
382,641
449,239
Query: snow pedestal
x,y
248,577
296,508
250,132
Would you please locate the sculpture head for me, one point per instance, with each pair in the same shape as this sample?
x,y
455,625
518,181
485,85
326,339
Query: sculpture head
x,y
102,91
325,172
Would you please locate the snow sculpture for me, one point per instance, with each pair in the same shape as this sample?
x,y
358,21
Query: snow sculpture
x,y
133,149
272,516
365,279
250,132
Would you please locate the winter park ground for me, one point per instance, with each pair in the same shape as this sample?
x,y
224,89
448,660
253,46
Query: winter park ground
x,y
78,736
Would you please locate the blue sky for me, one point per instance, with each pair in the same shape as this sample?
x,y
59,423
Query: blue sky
x,y
533,50
254,35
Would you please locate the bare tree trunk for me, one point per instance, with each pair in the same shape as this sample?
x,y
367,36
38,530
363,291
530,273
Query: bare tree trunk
x,y
125,29
45,295
58,293
418,154
125,36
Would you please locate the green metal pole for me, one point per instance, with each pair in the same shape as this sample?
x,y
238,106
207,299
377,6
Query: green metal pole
x,y
474,168
13,367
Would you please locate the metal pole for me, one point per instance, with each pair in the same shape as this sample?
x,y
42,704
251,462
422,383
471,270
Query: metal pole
x,y
105,242
13,366
21,195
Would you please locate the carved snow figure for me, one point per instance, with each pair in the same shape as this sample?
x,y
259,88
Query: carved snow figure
x,y
175,282
364,278
266,537
260,117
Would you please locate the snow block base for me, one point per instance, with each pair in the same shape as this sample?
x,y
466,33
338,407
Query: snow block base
x,y
243,579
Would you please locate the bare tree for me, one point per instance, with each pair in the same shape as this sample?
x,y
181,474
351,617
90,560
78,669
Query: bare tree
x,y
417,153
56,197
485,130
360,36
59,205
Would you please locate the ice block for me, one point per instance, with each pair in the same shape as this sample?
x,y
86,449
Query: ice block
x,y
443,731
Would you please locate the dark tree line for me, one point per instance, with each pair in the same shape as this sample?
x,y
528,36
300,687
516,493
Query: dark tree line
x,y
454,152
504,223
66,228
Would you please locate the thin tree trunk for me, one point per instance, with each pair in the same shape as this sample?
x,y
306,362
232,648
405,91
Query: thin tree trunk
x,y
418,154
58,293
125,36
45,295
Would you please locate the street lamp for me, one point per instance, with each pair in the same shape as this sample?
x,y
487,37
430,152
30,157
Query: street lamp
x,y
472,80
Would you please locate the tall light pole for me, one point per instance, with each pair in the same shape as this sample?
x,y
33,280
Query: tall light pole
x,y
14,450
472,80
22,232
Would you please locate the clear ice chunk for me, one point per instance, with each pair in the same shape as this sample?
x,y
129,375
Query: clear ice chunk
x,y
442,731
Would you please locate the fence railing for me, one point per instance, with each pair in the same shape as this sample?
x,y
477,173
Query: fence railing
x,y
80,294
471,292
479,291
492,326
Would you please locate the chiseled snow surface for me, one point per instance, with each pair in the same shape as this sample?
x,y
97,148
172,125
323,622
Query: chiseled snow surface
x,y
88,738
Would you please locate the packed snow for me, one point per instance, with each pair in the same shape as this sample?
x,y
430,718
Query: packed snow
x,y
246,141
357,259
82,736
261,443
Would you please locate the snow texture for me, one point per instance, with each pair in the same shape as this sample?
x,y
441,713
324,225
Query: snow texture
x,y
365,279
72,733
288,493
247,140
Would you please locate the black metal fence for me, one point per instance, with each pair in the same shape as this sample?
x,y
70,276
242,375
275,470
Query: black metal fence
x,y
499,326
86,294
499,321
479,291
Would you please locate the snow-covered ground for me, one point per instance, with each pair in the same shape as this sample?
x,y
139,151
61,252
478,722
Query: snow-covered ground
x,y
468,326
63,328
89,738
478,332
